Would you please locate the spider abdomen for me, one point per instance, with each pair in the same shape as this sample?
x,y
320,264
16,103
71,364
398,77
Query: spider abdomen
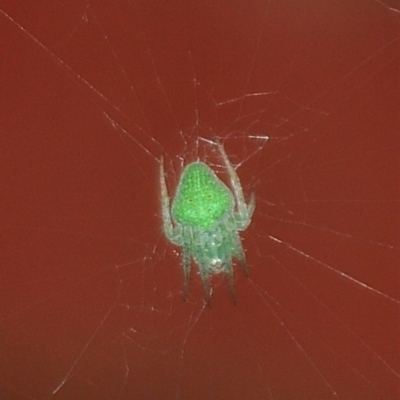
x,y
202,199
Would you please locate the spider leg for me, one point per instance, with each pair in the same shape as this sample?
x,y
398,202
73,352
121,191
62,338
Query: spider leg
x,y
173,234
251,206
205,277
186,272
166,215
241,256
245,211
231,283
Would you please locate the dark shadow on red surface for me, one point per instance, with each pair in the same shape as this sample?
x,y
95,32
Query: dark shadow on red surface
x,y
304,96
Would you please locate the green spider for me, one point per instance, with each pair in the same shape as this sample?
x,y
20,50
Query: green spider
x,y
205,220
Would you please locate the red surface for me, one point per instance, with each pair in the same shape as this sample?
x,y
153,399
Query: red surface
x,y
93,93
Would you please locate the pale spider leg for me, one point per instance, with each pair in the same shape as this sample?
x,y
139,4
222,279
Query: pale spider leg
x,y
187,259
236,245
186,272
231,283
245,211
240,255
173,234
205,277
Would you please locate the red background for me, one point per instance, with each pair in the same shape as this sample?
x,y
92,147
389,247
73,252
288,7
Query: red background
x,y
94,93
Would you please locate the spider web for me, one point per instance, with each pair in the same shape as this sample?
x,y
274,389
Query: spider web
x,y
302,97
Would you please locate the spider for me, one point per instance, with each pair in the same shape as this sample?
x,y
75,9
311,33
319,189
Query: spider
x,y
205,220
